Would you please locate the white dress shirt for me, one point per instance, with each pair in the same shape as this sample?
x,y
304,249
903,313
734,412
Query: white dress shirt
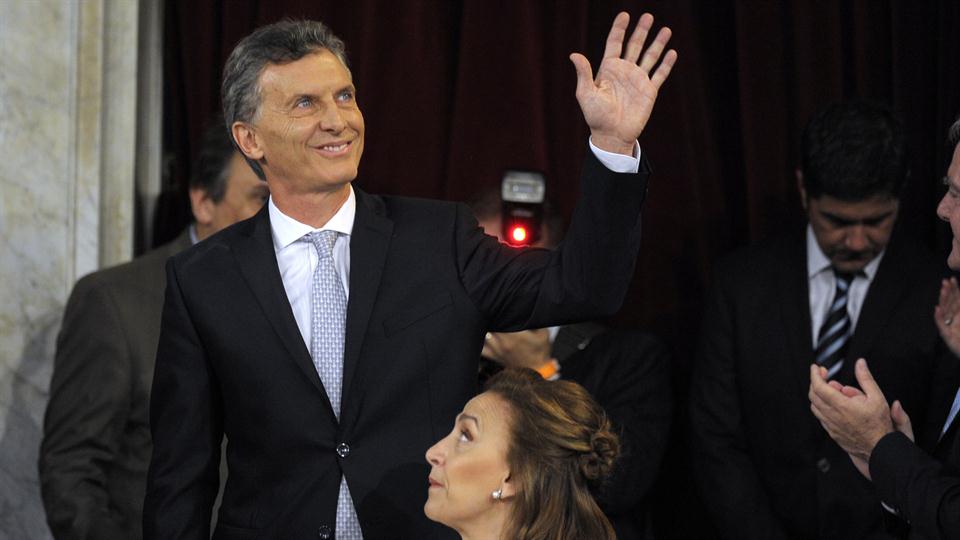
x,y
823,286
298,258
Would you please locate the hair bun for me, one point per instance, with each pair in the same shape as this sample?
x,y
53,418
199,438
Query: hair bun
x,y
597,464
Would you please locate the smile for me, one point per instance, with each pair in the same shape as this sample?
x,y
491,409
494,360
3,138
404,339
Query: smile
x,y
334,149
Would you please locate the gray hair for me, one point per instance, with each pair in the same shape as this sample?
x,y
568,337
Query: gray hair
x,y
278,43
953,134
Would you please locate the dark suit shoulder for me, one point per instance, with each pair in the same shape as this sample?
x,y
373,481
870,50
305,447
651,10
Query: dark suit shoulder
x,y
142,273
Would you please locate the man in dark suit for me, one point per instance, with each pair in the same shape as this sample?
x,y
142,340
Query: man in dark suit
x,y
626,371
334,337
924,489
96,442
847,286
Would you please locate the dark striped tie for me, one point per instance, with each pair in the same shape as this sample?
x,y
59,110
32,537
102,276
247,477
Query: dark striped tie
x,y
836,329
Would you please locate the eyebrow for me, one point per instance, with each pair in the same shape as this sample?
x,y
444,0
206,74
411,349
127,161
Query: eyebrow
x,y
464,416
869,219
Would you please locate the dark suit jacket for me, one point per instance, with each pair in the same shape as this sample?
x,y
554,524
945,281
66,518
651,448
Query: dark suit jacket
x,y
425,285
925,488
96,440
766,468
627,372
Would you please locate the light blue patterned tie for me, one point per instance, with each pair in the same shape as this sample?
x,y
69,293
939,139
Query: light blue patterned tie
x,y
328,328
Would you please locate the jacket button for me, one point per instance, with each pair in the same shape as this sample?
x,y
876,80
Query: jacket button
x,y
824,465
343,450
325,532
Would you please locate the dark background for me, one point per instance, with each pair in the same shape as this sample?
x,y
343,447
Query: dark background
x,y
455,92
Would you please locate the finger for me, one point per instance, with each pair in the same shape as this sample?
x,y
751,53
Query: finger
x,y
866,380
584,73
835,385
851,391
663,71
652,55
639,36
901,420
615,38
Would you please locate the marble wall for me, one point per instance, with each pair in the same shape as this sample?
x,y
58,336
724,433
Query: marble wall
x,y
68,109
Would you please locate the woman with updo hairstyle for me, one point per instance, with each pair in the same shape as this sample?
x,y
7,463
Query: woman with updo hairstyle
x,y
521,461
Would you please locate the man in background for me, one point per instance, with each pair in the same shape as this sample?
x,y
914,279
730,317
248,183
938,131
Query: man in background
x,y
96,442
844,287
922,488
627,372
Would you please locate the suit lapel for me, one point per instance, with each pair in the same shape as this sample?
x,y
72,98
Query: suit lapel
x,y
258,265
369,243
795,310
884,294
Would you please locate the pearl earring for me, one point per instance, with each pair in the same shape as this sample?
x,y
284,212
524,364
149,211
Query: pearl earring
x,y
497,495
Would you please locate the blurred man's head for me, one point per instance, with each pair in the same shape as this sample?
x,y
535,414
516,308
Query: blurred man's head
x,y
853,169
223,189
949,207
487,207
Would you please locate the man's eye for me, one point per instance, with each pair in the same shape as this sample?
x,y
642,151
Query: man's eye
x,y
346,95
303,103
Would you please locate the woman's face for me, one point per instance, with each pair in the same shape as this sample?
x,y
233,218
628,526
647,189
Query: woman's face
x,y
470,463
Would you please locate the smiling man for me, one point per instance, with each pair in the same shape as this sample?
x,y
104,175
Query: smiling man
x,y
335,335
846,286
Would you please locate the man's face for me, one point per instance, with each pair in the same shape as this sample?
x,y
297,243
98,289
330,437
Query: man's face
x,y
949,208
309,130
244,196
851,234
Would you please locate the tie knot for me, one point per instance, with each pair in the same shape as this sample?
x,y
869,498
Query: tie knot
x,y
844,279
323,241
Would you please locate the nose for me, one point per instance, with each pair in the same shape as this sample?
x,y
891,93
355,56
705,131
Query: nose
x,y
332,118
857,238
435,454
944,208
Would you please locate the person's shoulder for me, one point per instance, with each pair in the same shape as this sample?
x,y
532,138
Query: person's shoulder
x,y
759,258
914,258
140,272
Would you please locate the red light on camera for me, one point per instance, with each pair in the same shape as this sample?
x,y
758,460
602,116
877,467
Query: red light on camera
x,y
518,235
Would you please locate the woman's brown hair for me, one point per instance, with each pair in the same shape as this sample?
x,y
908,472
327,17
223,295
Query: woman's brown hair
x,y
562,444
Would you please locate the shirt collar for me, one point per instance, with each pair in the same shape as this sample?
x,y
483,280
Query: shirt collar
x,y
286,230
818,262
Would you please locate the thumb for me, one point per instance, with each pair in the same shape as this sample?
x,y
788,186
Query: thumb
x,y
584,72
901,420
865,378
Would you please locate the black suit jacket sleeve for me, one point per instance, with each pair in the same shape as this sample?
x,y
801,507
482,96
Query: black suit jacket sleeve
x,y
84,421
585,277
728,481
184,468
925,492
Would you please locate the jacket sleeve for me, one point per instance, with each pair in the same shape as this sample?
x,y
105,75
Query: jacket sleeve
x,y
921,488
727,478
90,395
585,277
186,422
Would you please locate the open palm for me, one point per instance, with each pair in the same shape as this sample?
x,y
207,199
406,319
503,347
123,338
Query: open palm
x,y
618,102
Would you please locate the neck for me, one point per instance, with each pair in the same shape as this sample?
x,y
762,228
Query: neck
x,y
313,209
491,528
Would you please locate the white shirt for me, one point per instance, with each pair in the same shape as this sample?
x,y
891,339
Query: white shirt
x,y
297,259
823,286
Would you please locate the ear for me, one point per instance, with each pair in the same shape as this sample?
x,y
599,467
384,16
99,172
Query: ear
x,y
801,189
509,487
246,138
202,206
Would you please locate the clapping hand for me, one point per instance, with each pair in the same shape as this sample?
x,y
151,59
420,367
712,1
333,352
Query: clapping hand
x,y
618,102
947,314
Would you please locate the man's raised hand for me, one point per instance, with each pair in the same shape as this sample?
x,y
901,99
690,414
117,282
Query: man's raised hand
x,y
618,102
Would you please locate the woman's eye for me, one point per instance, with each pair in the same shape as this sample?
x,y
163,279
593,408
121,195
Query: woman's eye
x,y
464,436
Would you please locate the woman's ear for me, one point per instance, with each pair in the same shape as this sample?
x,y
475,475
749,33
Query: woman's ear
x,y
508,487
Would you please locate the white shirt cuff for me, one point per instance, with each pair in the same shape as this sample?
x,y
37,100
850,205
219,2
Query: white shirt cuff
x,y
890,509
618,163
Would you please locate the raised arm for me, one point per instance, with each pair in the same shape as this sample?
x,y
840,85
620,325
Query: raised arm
x,y
617,102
